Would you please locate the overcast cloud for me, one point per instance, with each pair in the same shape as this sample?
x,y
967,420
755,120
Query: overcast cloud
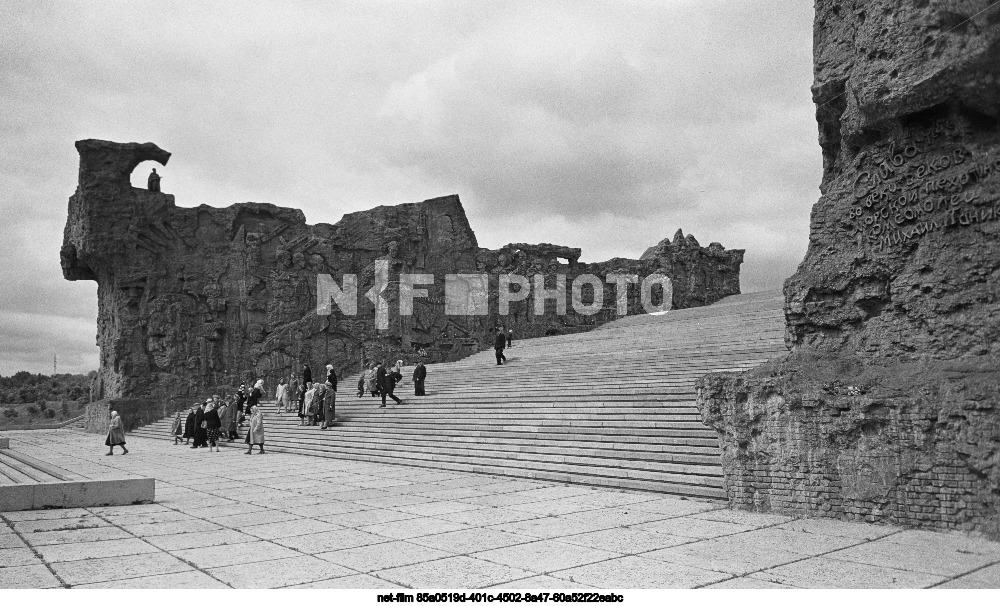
x,y
603,125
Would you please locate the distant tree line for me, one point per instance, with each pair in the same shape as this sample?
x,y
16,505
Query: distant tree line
x,y
43,396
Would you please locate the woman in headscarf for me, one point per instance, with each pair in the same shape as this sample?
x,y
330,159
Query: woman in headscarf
x,y
256,394
329,406
177,428
255,435
331,376
116,435
212,426
189,425
200,433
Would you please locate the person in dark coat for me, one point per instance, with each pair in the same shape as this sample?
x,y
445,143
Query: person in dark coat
x,y
419,374
307,375
498,345
331,376
189,425
116,435
200,433
329,405
383,380
510,338
213,426
241,399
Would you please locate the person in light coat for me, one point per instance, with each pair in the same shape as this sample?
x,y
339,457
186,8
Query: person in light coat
x,y
116,435
255,434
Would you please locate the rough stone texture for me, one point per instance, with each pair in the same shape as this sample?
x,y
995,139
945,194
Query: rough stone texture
x,y
886,408
135,412
195,300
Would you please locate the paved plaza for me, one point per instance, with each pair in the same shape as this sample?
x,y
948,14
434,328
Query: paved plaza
x,y
282,520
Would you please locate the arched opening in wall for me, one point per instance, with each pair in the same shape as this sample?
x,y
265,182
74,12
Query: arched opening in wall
x,y
140,175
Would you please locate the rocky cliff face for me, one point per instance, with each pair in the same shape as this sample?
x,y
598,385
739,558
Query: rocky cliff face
x,y
199,299
886,408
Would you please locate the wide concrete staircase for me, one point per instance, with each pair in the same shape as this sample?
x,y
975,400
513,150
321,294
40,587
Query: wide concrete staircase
x,y
612,407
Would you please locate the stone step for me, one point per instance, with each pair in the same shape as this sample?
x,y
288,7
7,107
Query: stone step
x,y
610,407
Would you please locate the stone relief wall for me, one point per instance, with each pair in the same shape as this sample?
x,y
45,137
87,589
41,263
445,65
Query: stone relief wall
x,y
196,300
886,408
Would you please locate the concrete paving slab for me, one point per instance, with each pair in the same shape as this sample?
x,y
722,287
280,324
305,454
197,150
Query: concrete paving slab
x,y
612,518
548,527
452,573
546,556
117,568
692,527
75,536
290,528
436,508
748,582
368,517
828,573
17,556
724,556
236,553
472,540
9,540
638,572
414,527
75,523
949,541
34,576
935,559
45,514
839,528
241,520
370,558
796,542
68,552
557,506
984,578
486,516
675,506
744,518
541,581
165,528
279,573
190,540
320,542
356,581
626,541
192,579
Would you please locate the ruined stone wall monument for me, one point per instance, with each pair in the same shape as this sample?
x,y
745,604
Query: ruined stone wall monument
x,y
196,300
888,405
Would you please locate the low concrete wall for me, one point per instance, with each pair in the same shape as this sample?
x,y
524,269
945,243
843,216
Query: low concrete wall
x,y
134,413
87,493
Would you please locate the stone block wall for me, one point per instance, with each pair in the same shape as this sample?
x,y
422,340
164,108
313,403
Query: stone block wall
x,y
902,445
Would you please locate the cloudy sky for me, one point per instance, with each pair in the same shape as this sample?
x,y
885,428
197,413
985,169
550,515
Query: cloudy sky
x,y
603,125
